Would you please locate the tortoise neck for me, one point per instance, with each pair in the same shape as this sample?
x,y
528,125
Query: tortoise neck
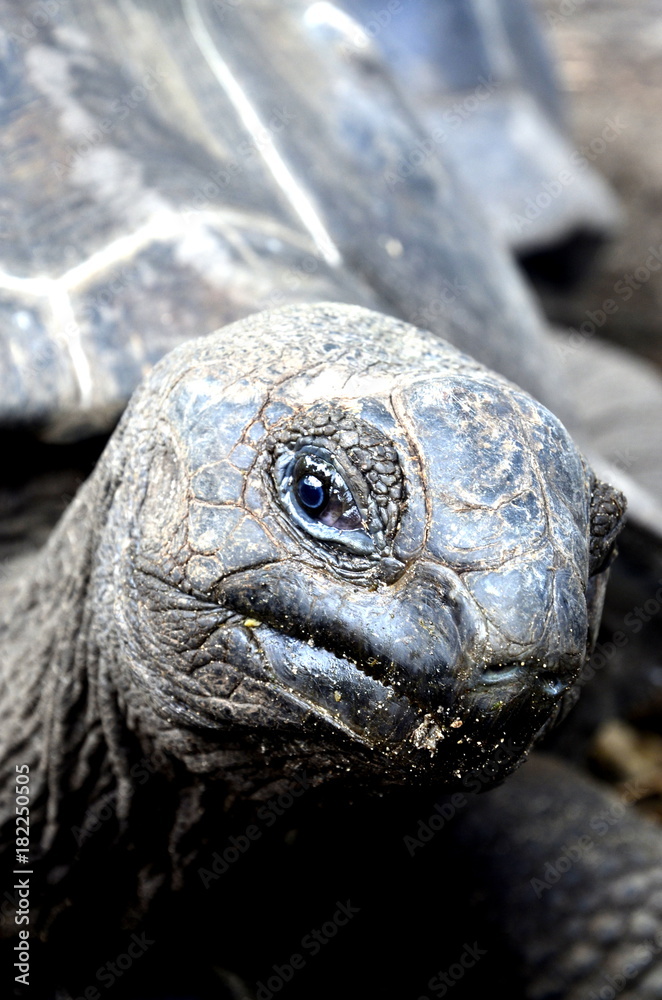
x,y
51,683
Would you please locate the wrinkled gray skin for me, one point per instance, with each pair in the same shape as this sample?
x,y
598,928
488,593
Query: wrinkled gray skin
x,y
187,604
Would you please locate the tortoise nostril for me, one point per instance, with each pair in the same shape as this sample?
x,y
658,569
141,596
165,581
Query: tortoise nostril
x,y
552,683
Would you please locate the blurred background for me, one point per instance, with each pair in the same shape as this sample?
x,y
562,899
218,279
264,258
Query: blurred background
x,y
609,60
609,64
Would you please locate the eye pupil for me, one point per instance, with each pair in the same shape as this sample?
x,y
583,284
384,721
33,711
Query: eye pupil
x,y
320,493
311,493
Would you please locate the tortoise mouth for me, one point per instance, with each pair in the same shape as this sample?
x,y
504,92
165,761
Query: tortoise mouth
x,y
404,670
346,692
444,743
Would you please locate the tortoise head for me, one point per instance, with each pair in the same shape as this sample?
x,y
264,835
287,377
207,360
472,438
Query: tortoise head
x,y
351,547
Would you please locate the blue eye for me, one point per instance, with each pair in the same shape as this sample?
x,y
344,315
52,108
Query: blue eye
x,y
323,499
312,494
322,494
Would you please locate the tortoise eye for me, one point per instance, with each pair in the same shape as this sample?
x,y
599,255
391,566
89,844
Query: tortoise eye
x,y
606,519
322,494
318,498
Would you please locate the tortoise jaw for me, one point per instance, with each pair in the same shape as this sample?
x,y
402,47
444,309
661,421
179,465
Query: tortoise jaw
x,y
338,689
411,642
448,745
414,687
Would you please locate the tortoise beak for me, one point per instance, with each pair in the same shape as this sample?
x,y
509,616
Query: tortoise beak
x,y
417,636
409,663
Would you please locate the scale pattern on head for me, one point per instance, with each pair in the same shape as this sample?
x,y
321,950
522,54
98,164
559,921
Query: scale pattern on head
x,y
349,544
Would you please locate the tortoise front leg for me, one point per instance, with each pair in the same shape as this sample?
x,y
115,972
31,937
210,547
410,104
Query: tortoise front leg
x,y
573,877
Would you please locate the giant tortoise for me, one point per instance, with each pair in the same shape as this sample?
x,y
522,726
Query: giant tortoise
x,y
331,577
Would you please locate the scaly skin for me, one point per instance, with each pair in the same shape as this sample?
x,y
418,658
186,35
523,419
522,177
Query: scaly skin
x,y
574,879
190,610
